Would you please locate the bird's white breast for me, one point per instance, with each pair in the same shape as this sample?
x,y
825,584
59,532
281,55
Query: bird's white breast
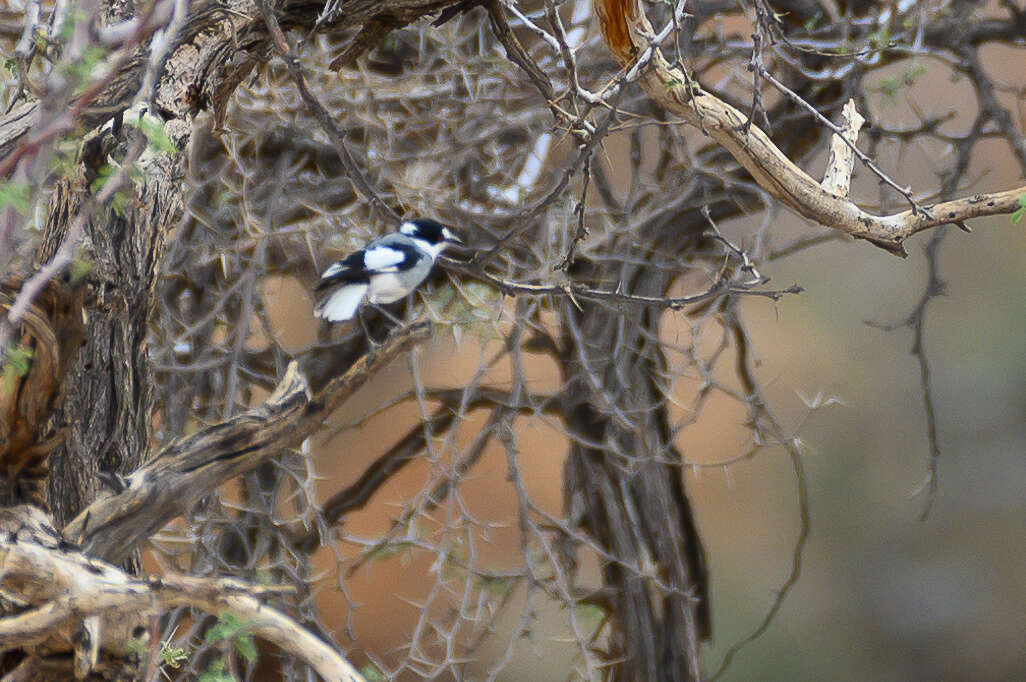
x,y
386,288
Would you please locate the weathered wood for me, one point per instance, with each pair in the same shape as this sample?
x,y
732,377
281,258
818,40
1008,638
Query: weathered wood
x,y
628,34
187,469
62,587
50,336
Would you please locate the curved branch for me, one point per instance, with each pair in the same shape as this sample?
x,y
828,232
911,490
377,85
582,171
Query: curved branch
x,y
184,471
80,587
629,36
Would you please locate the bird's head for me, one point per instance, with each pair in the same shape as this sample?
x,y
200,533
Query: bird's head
x,y
435,235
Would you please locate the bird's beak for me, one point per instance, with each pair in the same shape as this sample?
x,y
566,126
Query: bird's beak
x,y
451,236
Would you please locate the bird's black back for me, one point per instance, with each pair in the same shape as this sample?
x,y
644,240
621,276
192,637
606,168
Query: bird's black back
x,y
354,269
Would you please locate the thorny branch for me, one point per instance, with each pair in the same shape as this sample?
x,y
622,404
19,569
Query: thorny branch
x,y
454,133
765,423
322,116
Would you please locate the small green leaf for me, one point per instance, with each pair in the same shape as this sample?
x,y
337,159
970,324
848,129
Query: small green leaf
x,y
217,672
172,656
83,69
372,673
17,195
118,202
152,128
227,628
105,173
231,628
1021,211
881,38
78,270
389,550
136,647
16,364
246,646
497,587
811,22
892,85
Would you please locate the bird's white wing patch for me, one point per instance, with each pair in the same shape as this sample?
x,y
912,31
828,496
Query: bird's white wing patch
x,y
341,304
382,259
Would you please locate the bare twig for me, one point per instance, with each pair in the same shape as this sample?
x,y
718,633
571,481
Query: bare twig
x,y
764,420
317,110
718,288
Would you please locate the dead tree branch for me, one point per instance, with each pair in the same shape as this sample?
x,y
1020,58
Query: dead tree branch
x,y
631,38
79,587
186,470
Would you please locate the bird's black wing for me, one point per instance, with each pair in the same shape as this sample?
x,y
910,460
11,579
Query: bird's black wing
x,y
349,270
359,266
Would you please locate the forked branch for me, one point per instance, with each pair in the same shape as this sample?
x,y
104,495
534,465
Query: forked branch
x,y
629,36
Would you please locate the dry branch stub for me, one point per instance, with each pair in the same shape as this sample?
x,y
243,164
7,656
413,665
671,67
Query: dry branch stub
x,y
841,162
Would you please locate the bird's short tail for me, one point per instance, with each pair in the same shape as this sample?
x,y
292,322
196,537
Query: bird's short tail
x,y
341,304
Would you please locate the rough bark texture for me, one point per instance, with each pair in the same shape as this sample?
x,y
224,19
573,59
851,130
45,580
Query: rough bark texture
x,y
107,400
52,333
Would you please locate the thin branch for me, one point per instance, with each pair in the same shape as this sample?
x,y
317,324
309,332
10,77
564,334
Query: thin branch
x,y
575,291
317,110
764,419
916,321
934,288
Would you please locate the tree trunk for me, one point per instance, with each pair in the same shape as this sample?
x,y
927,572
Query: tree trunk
x,y
107,391
624,481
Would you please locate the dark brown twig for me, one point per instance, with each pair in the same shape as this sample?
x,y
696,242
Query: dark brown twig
x,y
317,110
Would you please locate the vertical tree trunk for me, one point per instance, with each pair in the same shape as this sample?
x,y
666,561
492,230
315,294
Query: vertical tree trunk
x,y
107,391
624,483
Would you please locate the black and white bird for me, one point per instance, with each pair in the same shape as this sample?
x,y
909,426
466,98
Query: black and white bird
x,y
384,271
